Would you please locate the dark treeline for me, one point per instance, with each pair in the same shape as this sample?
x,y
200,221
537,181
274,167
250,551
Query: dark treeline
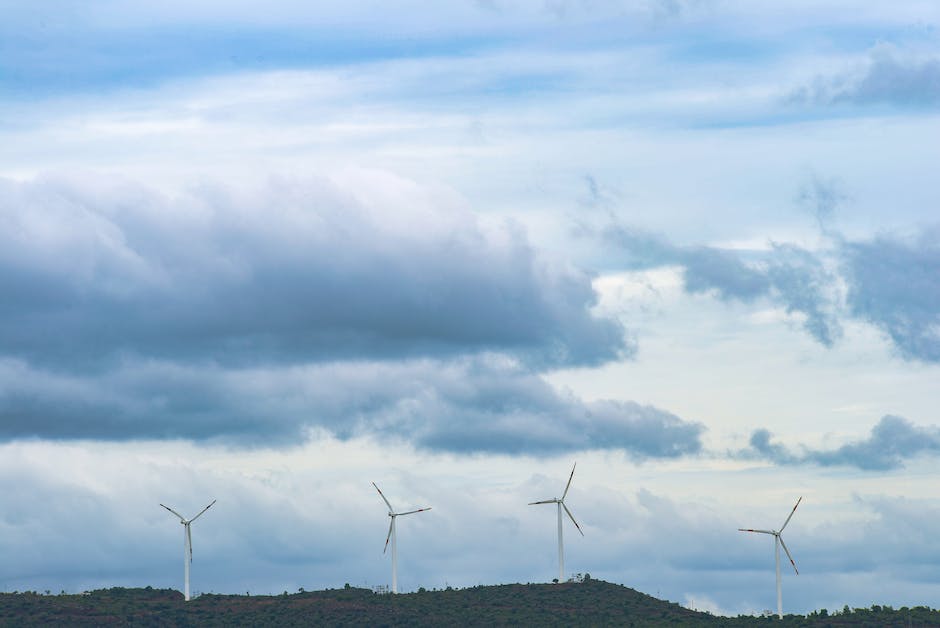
x,y
587,603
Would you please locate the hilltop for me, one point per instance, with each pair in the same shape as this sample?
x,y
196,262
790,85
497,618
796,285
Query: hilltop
x,y
591,603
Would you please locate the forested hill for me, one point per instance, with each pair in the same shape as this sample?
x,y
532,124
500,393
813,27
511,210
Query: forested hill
x,y
588,603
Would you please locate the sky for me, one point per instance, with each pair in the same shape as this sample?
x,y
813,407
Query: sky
x,y
270,255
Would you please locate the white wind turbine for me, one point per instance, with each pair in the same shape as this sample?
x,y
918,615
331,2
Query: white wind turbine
x,y
187,543
391,536
778,541
561,504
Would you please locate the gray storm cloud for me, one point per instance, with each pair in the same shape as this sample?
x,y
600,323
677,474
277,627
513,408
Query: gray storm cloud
x,y
299,271
253,318
463,405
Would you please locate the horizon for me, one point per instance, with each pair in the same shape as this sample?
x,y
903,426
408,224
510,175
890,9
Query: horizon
x,y
272,256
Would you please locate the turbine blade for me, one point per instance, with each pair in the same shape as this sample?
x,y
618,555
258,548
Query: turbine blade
x,y
203,510
758,531
791,514
571,516
390,524
174,512
189,541
411,512
390,509
788,555
544,501
565,494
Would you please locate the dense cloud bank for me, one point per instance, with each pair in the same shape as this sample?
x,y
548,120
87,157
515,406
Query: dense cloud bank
x,y
481,404
253,318
892,441
890,282
298,271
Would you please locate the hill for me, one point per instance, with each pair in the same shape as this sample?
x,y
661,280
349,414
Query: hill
x,y
588,603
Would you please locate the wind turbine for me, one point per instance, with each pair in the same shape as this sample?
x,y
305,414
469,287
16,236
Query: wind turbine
x,y
188,543
778,541
391,536
561,504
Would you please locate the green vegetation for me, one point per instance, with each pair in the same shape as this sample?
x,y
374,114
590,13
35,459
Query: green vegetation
x,y
588,603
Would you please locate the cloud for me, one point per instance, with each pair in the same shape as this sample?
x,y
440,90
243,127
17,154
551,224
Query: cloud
x,y
484,404
260,317
708,269
787,274
888,282
760,446
502,414
298,271
801,280
893,284
822,197
892,441
887,79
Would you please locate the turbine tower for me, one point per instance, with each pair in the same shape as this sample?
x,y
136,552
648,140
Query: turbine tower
x,y
391,535
778,541
187,543
561,504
